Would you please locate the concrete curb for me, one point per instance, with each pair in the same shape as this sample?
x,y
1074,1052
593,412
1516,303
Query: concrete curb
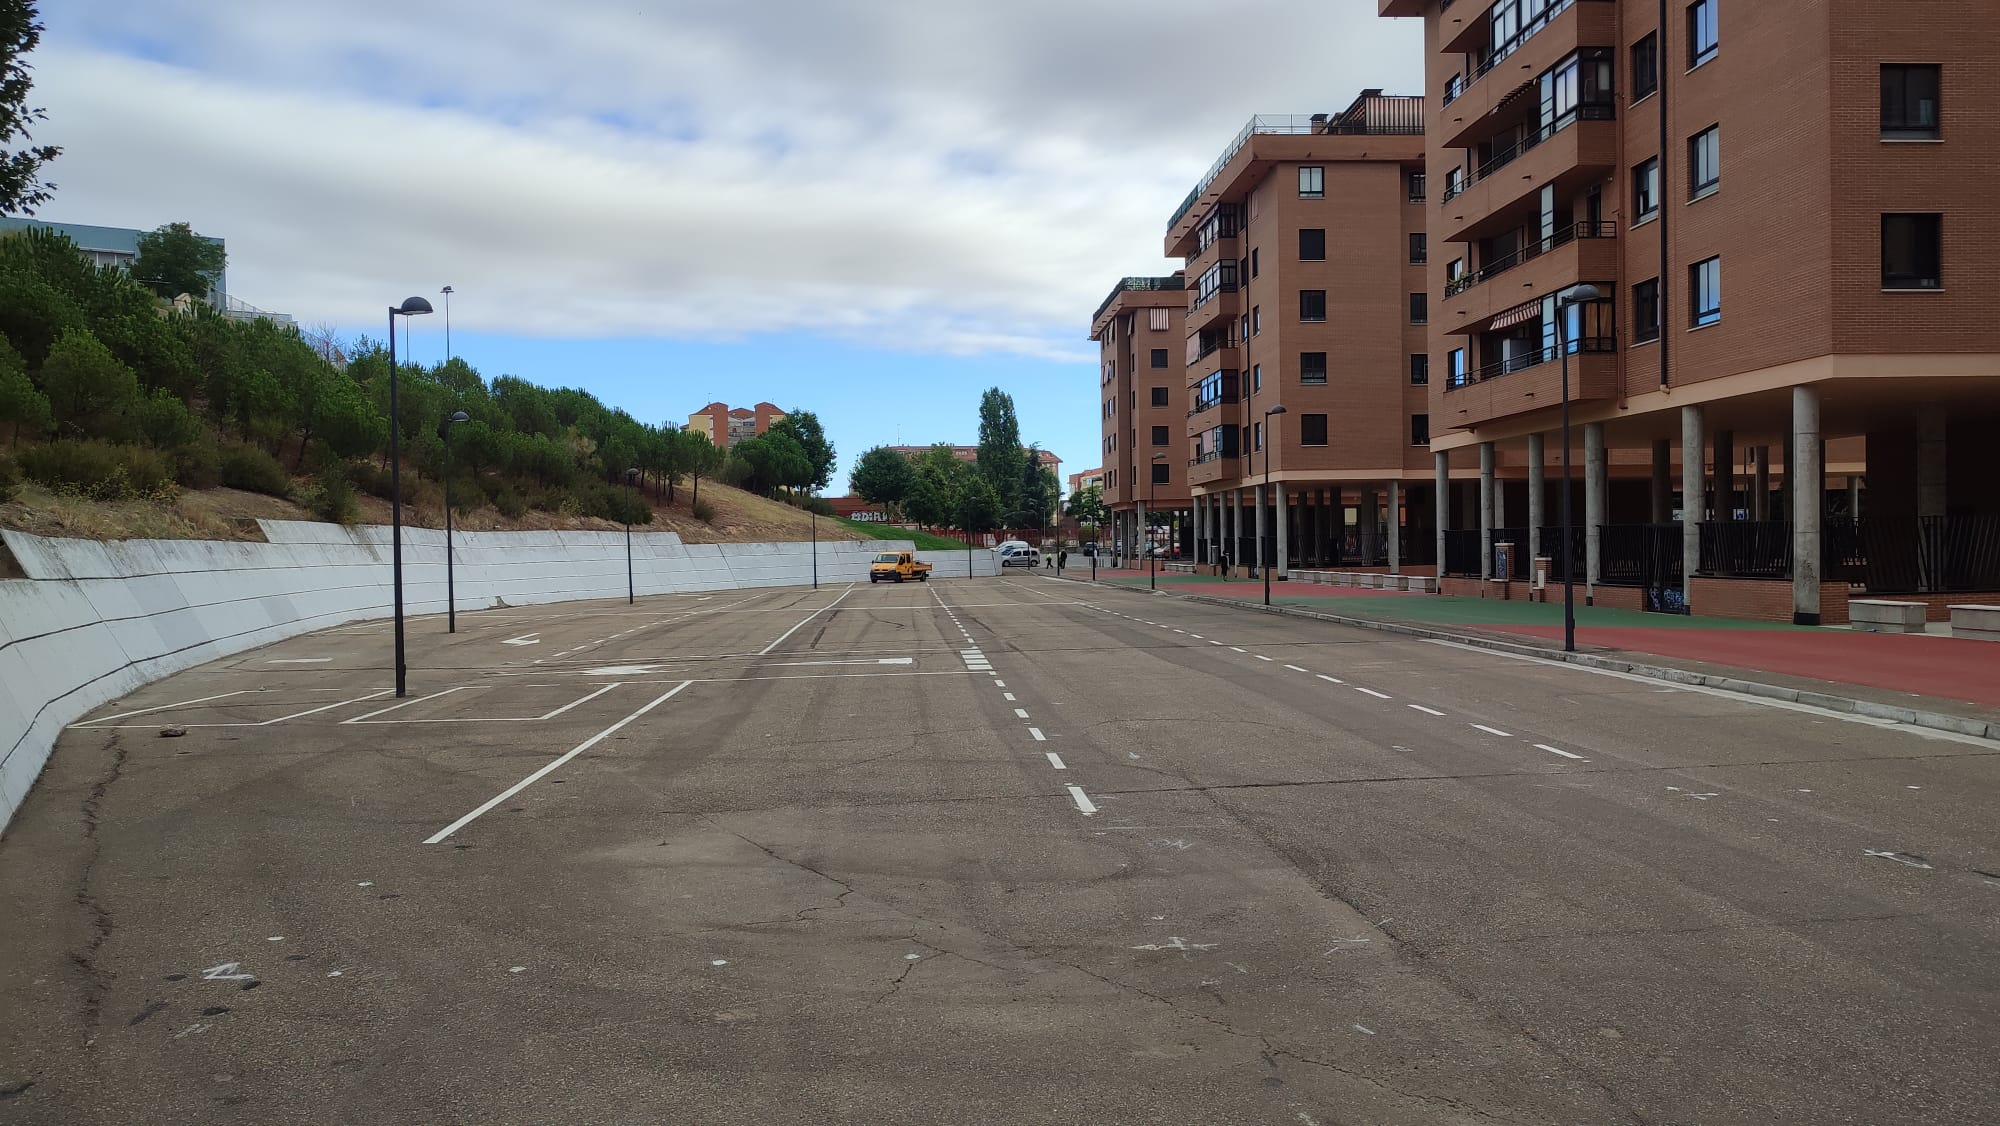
x,y
1914,717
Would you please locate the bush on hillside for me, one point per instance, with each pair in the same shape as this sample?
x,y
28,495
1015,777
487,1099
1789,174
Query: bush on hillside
x,y
332,496
704,511
820,505
620,506
10,480
96,469
509,502
198,466
251,469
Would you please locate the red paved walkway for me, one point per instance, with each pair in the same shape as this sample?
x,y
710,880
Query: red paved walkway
x,y
1919,665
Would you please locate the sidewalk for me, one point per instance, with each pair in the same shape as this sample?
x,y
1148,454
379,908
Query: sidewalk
x,y
1953,675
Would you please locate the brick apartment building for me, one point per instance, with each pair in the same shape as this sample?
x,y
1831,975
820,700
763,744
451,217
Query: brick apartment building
x,y
1783,210
1142,405
1305,250
725,424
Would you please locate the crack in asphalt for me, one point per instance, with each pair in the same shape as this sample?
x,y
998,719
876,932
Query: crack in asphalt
x,y
100,920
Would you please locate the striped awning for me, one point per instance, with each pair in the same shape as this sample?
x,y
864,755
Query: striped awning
x,y
1519,314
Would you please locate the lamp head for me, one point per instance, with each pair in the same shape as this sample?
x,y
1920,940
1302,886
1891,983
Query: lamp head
x,y
631,474
459,416
1278,409
1578,293
412,307
447,289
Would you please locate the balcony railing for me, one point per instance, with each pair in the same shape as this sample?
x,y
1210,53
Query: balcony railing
x,y
1200,298
1522,361
1528,253
1262,123
1201,405
1125,284
1209,347
1584,111
1211,455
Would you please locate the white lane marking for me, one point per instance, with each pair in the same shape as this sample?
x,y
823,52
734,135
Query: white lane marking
x,y
1492,730
1239,649
300,661
524,639
164,707
583,700
1037,733
802,622
1008,695
1371,692
1559,751
878,661
1021,713
1296,668
1082,800
1425,710
1330,679
406,703
1180,631
1055,760
1196,636
1262,657
572,753
1364,1030
1879,854
327,708
999,684
620,670
1218,643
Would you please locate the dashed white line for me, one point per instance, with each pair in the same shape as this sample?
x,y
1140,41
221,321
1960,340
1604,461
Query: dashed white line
x,y
1425,710
1021,713
1559,751
1330,679
1239,649
1009,695
1492,731
999,684
1261,657
1082,800
1055,760
1037,733
1371,692
1296,668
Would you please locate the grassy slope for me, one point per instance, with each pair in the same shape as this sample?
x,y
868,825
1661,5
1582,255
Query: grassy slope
x,y
226,514
924,541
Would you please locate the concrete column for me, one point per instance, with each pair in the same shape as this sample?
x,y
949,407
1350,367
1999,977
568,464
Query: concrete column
x,y
1537,486
1441,502
1596,506
1808,485
1485,510
1309,519
1663,484
1227,527
1200,530
1257,551
1725,475
1395,527
1691,502
1139,524
1854,498
1499,499
1760,507
1931,451
1283,500
1370,526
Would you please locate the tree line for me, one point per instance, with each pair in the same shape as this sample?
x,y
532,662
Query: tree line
x,y
106,390
1004,486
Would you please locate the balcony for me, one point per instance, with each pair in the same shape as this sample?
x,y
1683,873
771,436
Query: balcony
x,y
1221,302
1212,466
1528,383
1476,95
1128,284
1578,252
1579,147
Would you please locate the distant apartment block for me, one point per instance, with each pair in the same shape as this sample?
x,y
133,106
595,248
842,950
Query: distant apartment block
x,y
118,247
1142,407
1087,479
725,424
1783,211
971,453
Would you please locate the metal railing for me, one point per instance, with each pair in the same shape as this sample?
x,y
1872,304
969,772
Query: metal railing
x,y
1211,455
1929,554
1518,40
1588,345
1223,400
1461,553
1127,284
1746,549
1528,253
1642,555
1584,111
1281,123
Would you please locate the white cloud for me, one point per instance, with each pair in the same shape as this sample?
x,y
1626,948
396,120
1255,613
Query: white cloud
x,y
946,176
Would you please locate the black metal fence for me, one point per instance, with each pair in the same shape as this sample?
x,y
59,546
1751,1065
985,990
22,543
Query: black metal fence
x,y
1746,549
1461,553
1921,554
1643,555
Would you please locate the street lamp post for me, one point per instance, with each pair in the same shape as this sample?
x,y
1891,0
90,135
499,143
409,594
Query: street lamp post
x,y
1153,573
1265,564
447,291
450,591
411,307
631,481
1564,301
815,523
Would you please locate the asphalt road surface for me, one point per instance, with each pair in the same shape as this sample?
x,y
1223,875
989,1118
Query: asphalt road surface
x,y
1002,851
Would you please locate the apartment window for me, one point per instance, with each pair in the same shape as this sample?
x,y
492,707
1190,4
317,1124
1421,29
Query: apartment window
x,y
1160,393
1702,36
1312,430
1312,367
1646,188
1705,283
1245,333
1420,430
1454,368
1312,244
1704,161
1256,435
1645,67
1256,378
1419,249
1159,357
1253,262
1912,251
1420,308
1646,311
1415,182
1161,473
1312,304
1910,101
1256,320
1312,182
1159,318
1420,369
1159,435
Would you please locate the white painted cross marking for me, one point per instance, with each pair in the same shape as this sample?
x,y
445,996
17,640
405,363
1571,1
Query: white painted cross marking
x,y
1009,695
524,639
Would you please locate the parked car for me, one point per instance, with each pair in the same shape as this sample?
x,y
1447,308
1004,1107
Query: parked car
x,y
1021,556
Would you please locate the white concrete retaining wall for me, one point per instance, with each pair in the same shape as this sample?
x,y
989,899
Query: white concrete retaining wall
x,y
94,620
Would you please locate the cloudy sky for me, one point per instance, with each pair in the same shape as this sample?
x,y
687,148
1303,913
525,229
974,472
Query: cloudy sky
x,y
870,208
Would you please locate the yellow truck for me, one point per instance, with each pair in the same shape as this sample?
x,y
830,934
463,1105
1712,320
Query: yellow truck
x,y
896,566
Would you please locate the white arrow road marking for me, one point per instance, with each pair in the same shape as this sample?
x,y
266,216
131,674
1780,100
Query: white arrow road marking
x,y
524,639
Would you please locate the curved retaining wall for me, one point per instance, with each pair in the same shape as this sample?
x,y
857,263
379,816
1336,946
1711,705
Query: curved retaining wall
x,y
93,620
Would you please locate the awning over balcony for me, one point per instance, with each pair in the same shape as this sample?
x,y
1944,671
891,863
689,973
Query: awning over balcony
x,y
1519,314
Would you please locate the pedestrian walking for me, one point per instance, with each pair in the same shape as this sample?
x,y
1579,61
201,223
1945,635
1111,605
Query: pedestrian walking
x,y
1222,564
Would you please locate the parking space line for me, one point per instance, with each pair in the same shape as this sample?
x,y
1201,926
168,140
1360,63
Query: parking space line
x,y
163,707
544,771
407,703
